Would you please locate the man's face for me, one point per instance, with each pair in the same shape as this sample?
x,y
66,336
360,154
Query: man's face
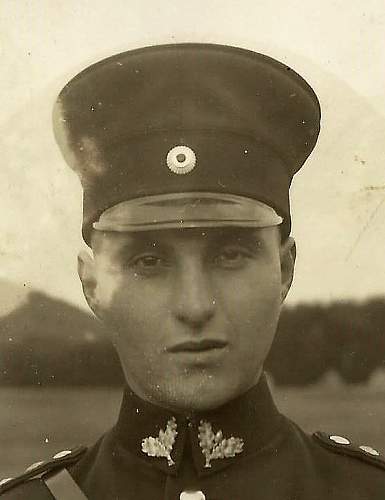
x,y
193,312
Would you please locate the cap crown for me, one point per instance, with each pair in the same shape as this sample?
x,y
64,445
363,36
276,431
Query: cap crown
x,y
250,120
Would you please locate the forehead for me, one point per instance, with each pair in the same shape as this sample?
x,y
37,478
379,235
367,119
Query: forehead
x,y
110,242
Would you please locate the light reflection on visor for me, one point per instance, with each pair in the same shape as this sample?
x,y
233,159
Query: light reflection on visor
x,y
187,210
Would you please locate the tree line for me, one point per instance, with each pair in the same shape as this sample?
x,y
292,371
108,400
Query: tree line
x,y
346,337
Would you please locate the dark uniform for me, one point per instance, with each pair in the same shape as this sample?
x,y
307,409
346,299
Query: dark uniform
x,y
278,461
194,135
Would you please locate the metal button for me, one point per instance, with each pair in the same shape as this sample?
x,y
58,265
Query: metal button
x,y
192,495
62,454
4,481
33,466
370,450
339,439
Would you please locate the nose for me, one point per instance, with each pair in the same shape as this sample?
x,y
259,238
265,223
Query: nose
x,y
194,303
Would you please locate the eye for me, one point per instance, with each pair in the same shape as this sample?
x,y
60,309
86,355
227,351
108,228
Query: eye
x,y
232,257
148,264
148,261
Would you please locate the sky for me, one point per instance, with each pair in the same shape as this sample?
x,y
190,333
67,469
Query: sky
x,y
338,198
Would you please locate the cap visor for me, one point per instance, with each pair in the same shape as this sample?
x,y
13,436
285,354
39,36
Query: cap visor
x,y
187,210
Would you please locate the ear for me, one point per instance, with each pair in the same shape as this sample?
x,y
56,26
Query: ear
x,y
87,275
288,254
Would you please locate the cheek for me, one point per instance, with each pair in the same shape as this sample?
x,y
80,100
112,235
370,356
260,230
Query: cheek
x,y
256,292
252,307
107,288
133,312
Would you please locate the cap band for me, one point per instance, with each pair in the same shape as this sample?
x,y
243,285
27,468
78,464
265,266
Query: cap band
x,y
186,210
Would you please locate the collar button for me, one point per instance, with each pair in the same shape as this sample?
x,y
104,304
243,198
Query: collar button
x,y
192,495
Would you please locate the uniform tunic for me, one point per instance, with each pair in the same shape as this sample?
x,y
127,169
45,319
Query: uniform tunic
x,y
279,461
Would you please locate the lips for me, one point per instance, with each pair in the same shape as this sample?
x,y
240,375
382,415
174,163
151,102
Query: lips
x,y
198,346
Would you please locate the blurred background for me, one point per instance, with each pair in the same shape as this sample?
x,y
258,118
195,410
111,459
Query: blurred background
x,y
59,377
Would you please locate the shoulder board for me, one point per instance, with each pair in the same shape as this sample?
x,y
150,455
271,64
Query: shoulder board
x,y
39,469
344,446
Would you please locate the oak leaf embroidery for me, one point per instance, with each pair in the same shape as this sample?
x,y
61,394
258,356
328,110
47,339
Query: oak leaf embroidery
x,y
161,446
215,446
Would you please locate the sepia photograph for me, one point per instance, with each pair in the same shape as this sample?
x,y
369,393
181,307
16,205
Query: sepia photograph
x,y
192,272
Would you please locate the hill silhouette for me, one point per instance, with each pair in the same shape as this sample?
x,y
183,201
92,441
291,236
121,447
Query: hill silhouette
x,y
41,317
46,341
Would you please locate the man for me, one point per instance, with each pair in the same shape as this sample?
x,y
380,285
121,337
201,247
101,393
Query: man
x,y
186,153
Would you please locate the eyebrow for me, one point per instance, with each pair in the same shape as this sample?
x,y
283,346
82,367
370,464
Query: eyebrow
x,y
139,242
134,244
240,235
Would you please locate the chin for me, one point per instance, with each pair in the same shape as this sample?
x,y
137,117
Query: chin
x,y
190,396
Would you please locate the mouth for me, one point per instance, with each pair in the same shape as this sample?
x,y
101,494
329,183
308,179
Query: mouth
x,y
198,346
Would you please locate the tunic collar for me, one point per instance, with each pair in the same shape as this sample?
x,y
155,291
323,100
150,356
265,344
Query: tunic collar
x,y
251,419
